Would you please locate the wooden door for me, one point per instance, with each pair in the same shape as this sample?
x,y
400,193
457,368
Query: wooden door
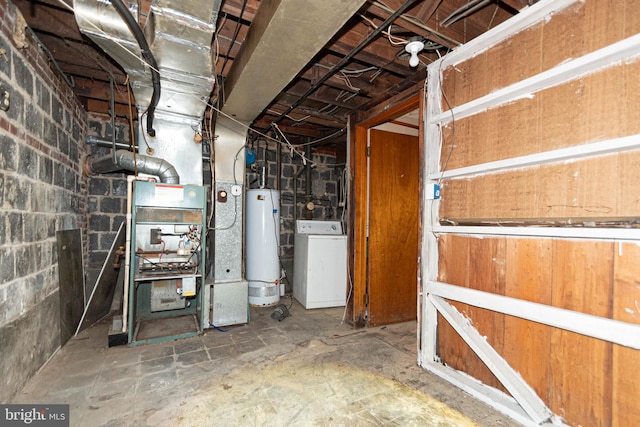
x,y
393,227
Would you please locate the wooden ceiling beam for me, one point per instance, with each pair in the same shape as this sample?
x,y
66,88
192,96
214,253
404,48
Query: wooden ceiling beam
x,y
414,81
427,9
380,46
341,48
518,4
97,89
451,37
80,54
322,96
101,106
91,73
50,18
315,116
233,7
338,81
265,121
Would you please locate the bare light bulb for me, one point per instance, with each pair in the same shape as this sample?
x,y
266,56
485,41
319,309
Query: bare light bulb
x,y
413,47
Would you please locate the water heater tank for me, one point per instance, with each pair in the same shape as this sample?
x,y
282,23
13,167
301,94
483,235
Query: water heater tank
x,y
262,245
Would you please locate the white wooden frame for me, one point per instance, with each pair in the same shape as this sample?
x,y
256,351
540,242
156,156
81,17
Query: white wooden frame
x,y
525,407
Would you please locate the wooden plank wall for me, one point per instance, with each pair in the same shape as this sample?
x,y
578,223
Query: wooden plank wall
x,y
584,380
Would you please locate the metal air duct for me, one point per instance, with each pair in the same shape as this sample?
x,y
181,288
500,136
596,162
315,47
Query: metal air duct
x,y
124,160
179,35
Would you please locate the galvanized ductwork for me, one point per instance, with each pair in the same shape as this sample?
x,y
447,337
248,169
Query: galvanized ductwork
x,y
124,160
179,33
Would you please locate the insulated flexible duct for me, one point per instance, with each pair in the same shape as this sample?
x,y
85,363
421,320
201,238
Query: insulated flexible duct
x,y
128,18
124,161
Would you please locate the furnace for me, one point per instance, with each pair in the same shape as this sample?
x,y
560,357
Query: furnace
x,y
166,262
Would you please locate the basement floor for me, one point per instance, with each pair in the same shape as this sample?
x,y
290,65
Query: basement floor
x,y
307,370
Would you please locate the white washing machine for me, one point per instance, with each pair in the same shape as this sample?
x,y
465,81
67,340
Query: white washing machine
x,y
320,264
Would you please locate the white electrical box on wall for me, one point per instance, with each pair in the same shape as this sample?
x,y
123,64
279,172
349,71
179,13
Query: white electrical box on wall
x,y
433,191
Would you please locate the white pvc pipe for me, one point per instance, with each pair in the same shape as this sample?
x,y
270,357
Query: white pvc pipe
x,y
127,254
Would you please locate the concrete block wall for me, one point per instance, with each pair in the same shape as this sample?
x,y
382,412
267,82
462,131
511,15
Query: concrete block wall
x,y
107,199
41,191
324,193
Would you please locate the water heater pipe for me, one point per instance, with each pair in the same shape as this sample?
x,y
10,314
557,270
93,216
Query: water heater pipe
x,y
124,160
307,172
305,168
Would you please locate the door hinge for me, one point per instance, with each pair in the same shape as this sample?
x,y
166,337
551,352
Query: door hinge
x,y
368,152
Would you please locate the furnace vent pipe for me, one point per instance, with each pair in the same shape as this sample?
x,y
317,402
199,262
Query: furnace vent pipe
x,y
124,161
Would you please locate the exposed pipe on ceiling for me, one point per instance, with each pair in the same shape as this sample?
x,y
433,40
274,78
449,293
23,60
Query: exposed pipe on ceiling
x,y
128,18
124,160
346,59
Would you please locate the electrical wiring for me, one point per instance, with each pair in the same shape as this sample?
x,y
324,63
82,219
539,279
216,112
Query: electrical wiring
x,y
291,148
453,123
131,129
252,130
344,182
345,78
346,70
276,229
235,36
212,168
453,133
235,218
216,42
399,40
206,102
330,111
324,138
416,22
495,12
289,117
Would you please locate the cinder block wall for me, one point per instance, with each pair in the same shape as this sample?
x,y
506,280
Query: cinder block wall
x,y
41,191
107,201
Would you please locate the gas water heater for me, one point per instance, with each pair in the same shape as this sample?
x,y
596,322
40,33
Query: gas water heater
x,y
262,262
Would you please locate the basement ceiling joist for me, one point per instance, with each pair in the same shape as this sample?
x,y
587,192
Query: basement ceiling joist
x,y
53,23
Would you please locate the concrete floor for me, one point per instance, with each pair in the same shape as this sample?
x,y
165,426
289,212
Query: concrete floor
x,y
308,370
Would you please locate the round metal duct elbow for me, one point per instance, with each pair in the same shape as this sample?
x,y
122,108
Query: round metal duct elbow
x,y
124,160
159,167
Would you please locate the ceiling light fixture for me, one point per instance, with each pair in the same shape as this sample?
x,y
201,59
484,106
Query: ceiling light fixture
x,y
413,47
